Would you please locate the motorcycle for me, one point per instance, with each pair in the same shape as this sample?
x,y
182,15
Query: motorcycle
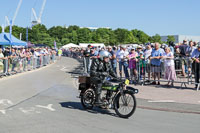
x,y
118,97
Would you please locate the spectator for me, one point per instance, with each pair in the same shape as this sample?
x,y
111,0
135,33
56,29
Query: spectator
x,y
1,58
113,58
123,61
196,58
87,60
132,64
147,55
189,51
59,54
141,66
156,63
182,51
14,60
22,56
6,54
171,46
170,73
28,58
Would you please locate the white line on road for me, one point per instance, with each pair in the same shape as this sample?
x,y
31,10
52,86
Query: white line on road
x,y
49,107
64,69
3,111
30,110
6,102
161,101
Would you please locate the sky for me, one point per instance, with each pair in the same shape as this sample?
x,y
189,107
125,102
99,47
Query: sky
x,y
163,17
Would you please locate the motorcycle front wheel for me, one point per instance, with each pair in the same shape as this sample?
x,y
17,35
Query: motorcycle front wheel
x,y
125,104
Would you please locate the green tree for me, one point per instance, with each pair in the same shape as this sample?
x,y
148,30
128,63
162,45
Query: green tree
x,y
57,32
156,38
65,41
84,35
170,39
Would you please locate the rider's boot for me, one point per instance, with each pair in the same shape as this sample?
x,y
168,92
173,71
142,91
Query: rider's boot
x,y
98,95
98,100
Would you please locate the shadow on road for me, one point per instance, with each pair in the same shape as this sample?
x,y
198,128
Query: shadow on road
x,y
78,106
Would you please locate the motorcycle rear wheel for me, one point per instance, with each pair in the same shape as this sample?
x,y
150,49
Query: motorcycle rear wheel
x,y
88,99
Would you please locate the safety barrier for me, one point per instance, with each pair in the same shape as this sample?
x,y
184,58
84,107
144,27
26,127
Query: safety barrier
x,y
145,71
13,65
185,69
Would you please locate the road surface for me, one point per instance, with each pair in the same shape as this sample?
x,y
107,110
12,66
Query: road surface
x,y
44,101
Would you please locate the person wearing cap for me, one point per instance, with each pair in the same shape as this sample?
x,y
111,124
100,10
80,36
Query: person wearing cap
x,y
139,49
142,65
182,51
196,58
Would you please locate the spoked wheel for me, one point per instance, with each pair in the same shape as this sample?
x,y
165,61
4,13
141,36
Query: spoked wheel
x,y
88,99
125,104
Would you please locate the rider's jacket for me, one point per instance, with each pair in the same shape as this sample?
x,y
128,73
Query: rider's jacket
x,y
99,68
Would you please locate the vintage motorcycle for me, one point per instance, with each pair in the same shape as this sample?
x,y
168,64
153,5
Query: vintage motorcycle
x,y
119,97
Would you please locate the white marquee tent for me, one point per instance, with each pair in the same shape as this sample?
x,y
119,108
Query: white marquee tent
x,y
70,45
84,45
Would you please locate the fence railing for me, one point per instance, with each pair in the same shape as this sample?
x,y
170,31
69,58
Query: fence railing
x,y
186,72
13,65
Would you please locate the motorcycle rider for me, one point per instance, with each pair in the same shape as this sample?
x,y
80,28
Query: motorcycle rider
x,y
100,69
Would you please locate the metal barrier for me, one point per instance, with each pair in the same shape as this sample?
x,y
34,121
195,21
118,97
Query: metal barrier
x,y
13,65
145,69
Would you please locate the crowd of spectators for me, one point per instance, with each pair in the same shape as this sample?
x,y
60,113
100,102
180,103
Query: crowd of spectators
x,y
16,60
146,61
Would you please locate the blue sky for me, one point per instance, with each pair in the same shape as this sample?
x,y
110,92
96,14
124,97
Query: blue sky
x,y
165,17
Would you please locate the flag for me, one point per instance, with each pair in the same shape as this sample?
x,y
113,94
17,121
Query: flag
x,y
55,44
10,31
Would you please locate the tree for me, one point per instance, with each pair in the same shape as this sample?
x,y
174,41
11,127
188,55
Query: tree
x,y
140,36
122,35
170,39
0,29
156,38
84,35
57,32
65,41
143,37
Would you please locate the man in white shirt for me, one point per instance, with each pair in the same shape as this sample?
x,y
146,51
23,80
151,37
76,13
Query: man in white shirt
x,y
147,55
36,58
123,61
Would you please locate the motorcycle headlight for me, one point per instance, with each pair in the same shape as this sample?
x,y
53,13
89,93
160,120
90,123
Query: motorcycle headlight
x,y
127,82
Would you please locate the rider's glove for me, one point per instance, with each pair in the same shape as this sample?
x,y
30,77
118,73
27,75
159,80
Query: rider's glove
x,y
104,74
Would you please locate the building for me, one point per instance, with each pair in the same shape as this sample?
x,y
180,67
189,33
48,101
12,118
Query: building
x,y
180,38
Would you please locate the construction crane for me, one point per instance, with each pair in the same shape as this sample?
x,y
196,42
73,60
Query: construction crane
x,y
15,15
37,19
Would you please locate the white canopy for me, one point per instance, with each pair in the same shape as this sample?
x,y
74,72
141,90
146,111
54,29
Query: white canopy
x,y
92,44
70,45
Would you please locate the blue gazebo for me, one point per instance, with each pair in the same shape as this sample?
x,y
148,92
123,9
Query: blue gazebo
x,y
5,39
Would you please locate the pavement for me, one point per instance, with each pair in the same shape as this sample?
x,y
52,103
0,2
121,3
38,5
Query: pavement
x,y
44,101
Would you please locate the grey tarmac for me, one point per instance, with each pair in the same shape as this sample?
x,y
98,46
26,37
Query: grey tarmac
x,y
44,101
